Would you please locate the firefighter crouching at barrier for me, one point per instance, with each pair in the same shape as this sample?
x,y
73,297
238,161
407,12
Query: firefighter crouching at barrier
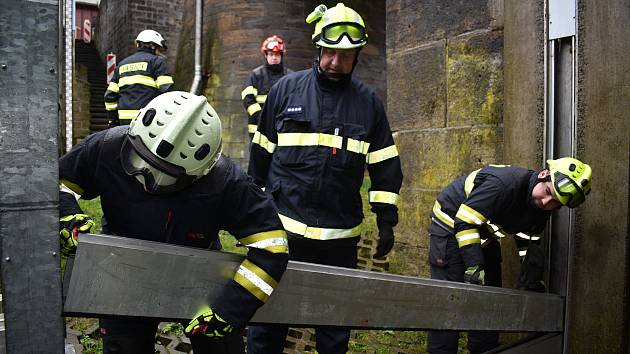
x,y
163,178
262,78
318,130
476,210
138,79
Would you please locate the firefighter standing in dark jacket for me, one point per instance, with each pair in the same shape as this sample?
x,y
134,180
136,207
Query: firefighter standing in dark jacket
x,y
262,78
138,79
318,130
475,211
164,179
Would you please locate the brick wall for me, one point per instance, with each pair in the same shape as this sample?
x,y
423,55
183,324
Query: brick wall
x,y
80,104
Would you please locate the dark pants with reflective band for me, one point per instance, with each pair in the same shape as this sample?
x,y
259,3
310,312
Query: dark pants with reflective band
x,y
132,336
330,340
444,247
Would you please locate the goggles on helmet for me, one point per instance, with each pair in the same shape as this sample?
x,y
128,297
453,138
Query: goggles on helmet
x,y
157,175
567,191
334,33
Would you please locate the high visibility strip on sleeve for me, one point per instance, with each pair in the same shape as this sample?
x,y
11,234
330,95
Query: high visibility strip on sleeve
x,y
128,113
251,128
69,187
310,139
469,184
470,215
261,98
274,241
262,140
255,280
111,106
113,87
137,80
382,154
253,108
383,197
522,253
318,233
525,236
495,230
437,211
249,90
358,146
468,237
164,80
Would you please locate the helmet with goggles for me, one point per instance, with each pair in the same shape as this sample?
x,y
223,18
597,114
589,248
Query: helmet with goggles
x,y
273,44
571,180
173,141
339,27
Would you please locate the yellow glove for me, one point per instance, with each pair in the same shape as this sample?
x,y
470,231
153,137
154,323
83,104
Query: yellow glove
x,y
208,323
69,228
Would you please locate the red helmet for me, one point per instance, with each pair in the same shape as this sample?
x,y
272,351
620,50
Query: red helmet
x,y
273,44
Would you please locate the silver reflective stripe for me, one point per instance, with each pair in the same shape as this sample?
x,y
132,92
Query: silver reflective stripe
x,y
255,279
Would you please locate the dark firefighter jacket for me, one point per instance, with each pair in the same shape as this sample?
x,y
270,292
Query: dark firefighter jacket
x,y
494,201
310,151
225,199
138,79
256,89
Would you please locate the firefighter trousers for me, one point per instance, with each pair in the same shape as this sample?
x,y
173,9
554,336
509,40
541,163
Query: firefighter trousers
x,y
443,247
270,339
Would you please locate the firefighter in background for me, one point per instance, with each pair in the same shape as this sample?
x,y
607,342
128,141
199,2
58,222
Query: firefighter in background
x,y
138,79
476,210
262,78
318,130
163,178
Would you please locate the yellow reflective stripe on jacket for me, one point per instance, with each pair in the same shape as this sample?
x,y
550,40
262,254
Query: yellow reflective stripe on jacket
x,y
383,197
469,184
139,66
255,280
382,154
261,98
262,140
253,108
70,185
470,215
164,80
318,233
128,113
249,90
137,80
310,139
113,87
358,146
468,237
522,253
111,106
525,236
495,230
437,211
251,128
274,241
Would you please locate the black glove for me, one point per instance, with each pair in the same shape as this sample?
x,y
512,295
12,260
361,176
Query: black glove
x,y
475,275
69,228
532,270
385,240
208,323
112,116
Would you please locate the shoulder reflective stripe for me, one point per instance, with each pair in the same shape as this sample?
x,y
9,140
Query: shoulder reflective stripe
x,y
262,140
72,187
111,106
140,66
164,80
382,154
470,215
437,211
261,98
310,139
274,241
526,236
255,280
251,128
470,182
358,146
383,197
113,87
318,233
249,90
468,237
137,80
253,108
128,113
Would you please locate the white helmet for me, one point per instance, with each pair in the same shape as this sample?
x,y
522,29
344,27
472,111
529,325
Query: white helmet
x,y
173,141
151,36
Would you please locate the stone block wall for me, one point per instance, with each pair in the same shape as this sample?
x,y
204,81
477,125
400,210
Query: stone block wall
x,y
80,104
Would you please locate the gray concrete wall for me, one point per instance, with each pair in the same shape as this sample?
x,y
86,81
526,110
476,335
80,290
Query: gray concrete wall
x,y
599,306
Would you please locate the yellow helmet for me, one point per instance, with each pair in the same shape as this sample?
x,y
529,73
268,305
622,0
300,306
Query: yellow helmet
x,y
571,179
339,27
